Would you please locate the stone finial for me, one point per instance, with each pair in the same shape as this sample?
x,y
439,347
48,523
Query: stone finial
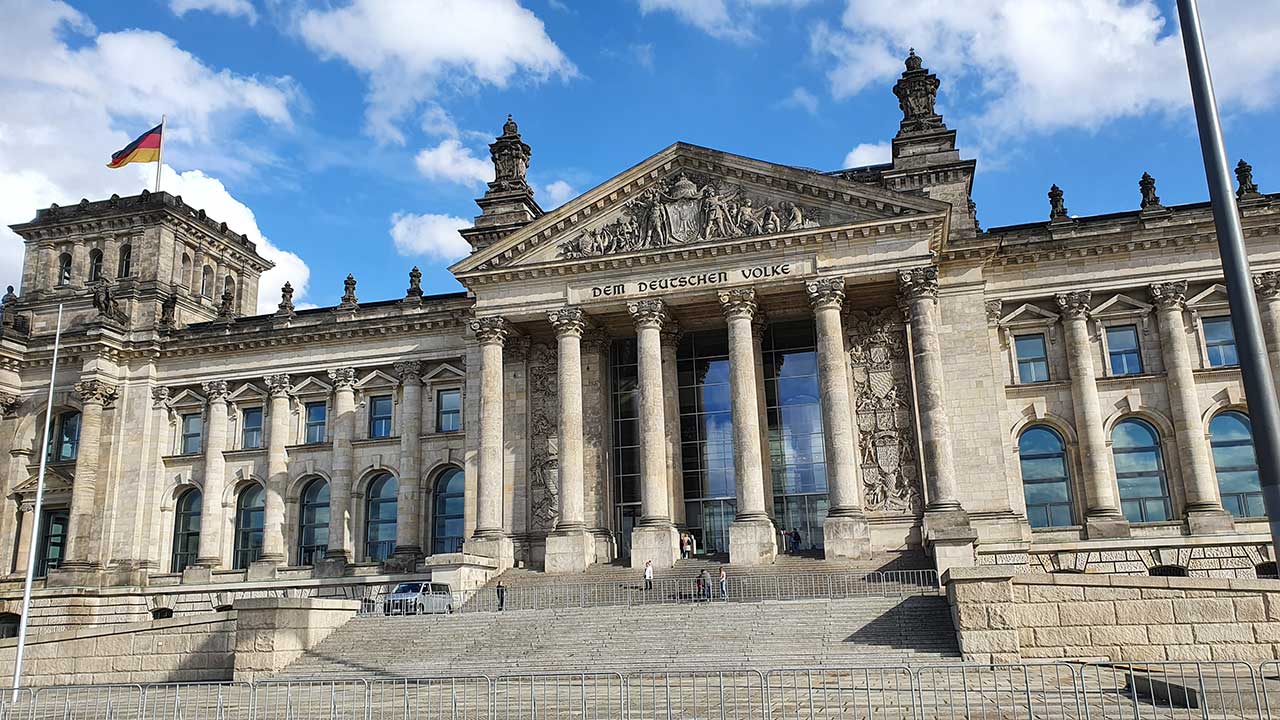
x,y
648,312
995,310
169,312
415,283
491,329
285,308
1267,284
568,320
917,91
1057,208
215,390
343,377
1147,186
738,302
95,391
510,157
226,308
349,299
278,385
9,404
1074,304
9,296
1168,295
825,292
918,283
409,371
1246,189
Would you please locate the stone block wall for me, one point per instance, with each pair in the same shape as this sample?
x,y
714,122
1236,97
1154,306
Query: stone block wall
x,y
1001,616
273,632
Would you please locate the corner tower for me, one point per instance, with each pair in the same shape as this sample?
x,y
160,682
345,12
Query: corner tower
x,y
508,204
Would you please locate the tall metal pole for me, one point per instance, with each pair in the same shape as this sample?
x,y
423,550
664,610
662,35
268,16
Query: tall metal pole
x,y
33,545
1259,385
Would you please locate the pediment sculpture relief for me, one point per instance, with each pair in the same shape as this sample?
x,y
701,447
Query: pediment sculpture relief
x,y
687,210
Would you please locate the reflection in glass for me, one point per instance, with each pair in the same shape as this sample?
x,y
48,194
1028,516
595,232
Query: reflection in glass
x,y
796,452
1144,494
706,437
380,518
1231,437
186,530
1043,460
250,511
447,511
313,529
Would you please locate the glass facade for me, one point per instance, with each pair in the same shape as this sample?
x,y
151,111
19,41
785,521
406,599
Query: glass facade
x,y
624,396
706,438
796,451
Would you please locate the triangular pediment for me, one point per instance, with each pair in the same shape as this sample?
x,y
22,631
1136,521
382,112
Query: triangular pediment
x,y
1211,297
1028,314
54,483
1119,305
690,197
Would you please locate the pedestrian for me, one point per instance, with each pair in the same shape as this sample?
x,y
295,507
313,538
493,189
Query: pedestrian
x,y
724,584
697,585
501,591
799,540
684,546
705,579
648,574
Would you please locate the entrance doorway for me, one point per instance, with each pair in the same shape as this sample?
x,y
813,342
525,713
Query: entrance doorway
x,y
709,522
804,513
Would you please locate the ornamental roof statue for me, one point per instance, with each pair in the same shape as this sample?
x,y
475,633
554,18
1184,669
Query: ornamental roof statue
x,y
510,157
917,90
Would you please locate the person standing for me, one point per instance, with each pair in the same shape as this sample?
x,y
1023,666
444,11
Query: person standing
x,y
705,579
724,584
648,575
501,591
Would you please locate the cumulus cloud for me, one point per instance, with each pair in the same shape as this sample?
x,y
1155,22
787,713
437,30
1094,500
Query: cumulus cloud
x,y
431,236
803,99
558,193
408,50
1043,66
451,161
868,154
68,105
230,8
725,19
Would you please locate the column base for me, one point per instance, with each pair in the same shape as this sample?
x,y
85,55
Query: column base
x,y
570,552
752,542
944,520
846,536
499,548
1106,526
197,575
953,547
327,567
659,543
1210,522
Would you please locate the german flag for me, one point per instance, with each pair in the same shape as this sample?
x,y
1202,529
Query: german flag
x,y
145,149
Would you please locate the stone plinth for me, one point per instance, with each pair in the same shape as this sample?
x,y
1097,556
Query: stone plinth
x,y
462,572
500,549
569,552
846,537
659,543
273,632
752,542
953,547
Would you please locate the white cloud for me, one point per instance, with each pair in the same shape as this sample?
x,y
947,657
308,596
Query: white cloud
x,y
436,121
1042,66
69,106
452,162
868,154
733,20
231,8
432,236
558,193
803,99
408,50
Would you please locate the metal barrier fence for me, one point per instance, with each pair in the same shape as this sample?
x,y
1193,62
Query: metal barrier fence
x,y
1039,691
891,583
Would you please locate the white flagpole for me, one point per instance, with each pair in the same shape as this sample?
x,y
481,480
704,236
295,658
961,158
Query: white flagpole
x,y
33,546
160,155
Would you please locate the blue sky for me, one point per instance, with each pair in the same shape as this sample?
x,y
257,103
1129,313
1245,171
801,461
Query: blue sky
x,y
352,134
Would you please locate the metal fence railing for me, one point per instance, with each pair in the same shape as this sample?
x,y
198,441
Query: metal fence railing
x,y
957,691
891,583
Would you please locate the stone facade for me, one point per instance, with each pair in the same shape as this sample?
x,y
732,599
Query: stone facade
x,y
490,420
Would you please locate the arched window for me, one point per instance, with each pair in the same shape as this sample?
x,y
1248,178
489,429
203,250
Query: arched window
x,y
313,522
1042,456
447,502
64,443
1167,571
9,624
1231,437
250,508
95,265
380,522
124,268
1144,493
206,282
186,270
186,530
64,269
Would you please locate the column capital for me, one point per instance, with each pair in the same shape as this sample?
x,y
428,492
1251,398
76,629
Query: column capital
x,y
1267,284
9,404
344,378
492,329
825,292
568,320
95,392
215,390
671,333
409,371
1075,304
918,283
995,310
648,312
160,396
1168,295
278,385
738,302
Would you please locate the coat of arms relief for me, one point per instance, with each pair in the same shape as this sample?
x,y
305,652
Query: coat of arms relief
x,y
544,460
688,209
886,430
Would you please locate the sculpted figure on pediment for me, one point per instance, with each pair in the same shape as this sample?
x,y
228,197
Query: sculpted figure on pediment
x,y
688,209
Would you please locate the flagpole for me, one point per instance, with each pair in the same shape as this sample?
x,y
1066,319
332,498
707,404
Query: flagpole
x,y
160,154
33,546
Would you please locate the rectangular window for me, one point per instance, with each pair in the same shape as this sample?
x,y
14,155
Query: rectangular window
x,y
380,416
251,429
1033,358
1220,342
448,411
317,414
192,429
1122,347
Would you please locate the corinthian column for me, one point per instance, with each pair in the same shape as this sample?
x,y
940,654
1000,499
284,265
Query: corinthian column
x,y
1102,515
489,538
654,537
1268,286
344,431
94,396
408,500
279,388
752,539
569,547
671,334
845,532
1199,483
215,475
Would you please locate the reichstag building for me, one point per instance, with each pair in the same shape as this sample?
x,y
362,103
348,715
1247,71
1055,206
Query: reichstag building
x,y
705,345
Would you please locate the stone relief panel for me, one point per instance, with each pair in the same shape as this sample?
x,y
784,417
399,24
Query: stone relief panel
x,y
689,208
882,398
544,483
